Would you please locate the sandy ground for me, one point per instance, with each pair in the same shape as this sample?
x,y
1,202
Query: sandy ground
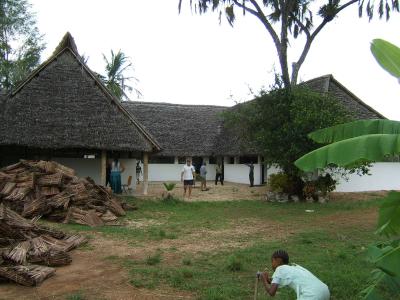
x,y
236,191
228,191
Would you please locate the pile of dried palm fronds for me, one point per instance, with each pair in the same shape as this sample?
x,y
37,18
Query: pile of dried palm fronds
x,y
26,246
49,189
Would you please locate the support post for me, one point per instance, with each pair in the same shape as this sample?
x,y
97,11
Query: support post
x,y
103,168
145,173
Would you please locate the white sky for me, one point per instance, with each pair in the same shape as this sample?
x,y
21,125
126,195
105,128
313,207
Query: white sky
x,y
192,59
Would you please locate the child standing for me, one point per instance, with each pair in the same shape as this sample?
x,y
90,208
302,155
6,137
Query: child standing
x,y
306,285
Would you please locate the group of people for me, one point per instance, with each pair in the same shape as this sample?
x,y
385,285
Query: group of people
x,y
188,176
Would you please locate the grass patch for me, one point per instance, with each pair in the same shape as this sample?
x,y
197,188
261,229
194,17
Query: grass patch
x,y
153,259
335,254
75,296
234,263
230,275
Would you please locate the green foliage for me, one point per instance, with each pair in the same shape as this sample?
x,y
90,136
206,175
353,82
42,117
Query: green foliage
x,y
278,123
234,263
152,260
386,255
351,152
20,42
116,80
389,222
323,184
361,145
76,296
169,186
354,129
387,55
284,183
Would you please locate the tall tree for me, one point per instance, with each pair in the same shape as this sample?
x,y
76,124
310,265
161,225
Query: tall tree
x,y
285,20
116,80
20,42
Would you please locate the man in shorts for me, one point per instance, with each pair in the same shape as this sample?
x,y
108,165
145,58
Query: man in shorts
x,y
187,177
203,175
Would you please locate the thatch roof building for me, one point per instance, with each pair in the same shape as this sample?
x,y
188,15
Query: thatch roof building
x,y
328,84
63,105
198,130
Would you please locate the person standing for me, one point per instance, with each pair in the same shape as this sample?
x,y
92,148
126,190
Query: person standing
x,y
108,172
203,175
138,171
187,177
115,176
218,174
251,174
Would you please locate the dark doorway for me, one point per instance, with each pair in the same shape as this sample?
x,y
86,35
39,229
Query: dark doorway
x,y
197,161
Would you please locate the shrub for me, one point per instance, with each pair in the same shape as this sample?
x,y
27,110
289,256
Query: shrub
x,y
234,264
284,183
153,259
169,186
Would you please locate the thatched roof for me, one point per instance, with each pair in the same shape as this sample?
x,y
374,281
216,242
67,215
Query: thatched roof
x,y
198,130
182,130
328,84
62,104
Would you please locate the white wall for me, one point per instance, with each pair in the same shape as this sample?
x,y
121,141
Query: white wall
x,y
92,168
384,176
239,173
165,172
83,167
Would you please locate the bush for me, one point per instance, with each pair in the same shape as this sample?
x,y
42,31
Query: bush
x,y
284,183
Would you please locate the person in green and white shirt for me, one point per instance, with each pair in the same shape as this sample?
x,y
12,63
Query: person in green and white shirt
x,y
306,285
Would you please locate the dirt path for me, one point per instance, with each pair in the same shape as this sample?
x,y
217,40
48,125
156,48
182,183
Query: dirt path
x,y
91,275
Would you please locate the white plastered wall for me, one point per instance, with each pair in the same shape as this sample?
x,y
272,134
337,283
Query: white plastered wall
x,y
92,168
384,176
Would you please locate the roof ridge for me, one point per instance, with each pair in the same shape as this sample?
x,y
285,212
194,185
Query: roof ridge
x,y
172,104
67,42
355,97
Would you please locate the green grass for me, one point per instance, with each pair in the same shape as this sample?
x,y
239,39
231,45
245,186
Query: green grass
x,y
75,296
336,255
230,275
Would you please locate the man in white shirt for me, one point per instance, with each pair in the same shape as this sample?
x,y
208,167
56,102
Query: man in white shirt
x,y
187,177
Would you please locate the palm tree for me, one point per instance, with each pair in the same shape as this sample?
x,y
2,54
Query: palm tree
x,y
115,78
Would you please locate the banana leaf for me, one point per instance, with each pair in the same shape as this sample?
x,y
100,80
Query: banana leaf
x,y
387,55
354,129
388,221
371,147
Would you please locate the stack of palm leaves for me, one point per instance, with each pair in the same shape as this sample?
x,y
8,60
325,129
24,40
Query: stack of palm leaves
x,y
24,246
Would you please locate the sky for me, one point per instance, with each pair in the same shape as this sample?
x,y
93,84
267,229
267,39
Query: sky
x,y
190,59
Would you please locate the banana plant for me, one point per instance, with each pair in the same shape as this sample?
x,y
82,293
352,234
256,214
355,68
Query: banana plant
x,y
369,141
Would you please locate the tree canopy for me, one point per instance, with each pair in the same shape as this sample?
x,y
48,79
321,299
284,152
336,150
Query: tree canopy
x,y
285,20
278,123
20,42
116,79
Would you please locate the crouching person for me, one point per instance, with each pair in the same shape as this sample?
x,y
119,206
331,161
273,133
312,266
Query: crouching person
x,y
306,285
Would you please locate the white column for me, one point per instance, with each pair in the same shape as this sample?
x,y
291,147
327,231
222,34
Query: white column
x,y
145,173
103,168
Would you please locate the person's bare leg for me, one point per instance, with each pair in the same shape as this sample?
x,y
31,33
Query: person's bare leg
x,y
190,190
184,190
